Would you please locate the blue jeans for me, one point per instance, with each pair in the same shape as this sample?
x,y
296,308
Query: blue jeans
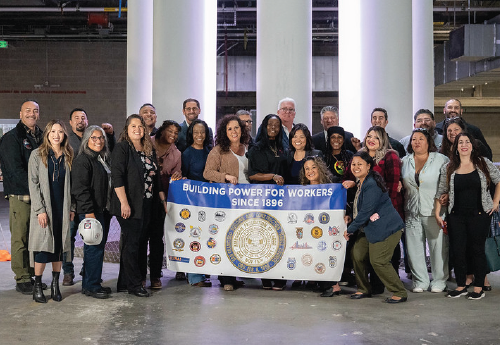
x,y
194,278
93,256
68,267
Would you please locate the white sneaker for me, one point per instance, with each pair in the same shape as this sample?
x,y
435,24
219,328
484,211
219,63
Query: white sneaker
x,y
437,290
418,290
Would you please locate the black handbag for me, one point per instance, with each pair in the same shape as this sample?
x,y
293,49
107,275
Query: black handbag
x,y
492,245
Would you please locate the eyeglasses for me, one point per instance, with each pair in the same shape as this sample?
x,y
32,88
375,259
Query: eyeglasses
x,y
248,122
288,110
94,139
192,109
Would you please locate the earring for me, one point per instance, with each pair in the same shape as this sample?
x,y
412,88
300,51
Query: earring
x,y
456,152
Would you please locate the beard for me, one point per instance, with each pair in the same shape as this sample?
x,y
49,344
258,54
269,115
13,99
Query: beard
x,y
81,128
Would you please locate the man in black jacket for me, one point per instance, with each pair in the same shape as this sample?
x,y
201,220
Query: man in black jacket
x,y
453,108
15,150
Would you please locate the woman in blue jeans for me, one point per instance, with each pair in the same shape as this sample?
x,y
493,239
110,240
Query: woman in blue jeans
x,y
91,182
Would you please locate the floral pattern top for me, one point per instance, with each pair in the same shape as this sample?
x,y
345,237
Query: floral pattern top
x,y
149,173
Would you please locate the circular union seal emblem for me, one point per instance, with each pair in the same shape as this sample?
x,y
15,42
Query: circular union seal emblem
x,y
255,242
220,216
322,246
178,244
195,231
199,261
309,218
320,268
215,259
316,232
195,246
213,229
337,245
307,259
333,230
180,227
202,216
332,261
324,218
211,243
185,213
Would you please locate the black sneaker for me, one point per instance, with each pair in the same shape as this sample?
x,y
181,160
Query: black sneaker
x,y
456,293
24,288
475,295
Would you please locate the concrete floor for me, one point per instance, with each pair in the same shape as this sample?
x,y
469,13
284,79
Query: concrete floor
x,y
181,314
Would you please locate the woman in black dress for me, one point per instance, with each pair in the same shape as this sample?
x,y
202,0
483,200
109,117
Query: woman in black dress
x,y
49,184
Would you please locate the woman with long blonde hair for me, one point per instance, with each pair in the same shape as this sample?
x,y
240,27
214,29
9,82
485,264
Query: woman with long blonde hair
x,y
49,184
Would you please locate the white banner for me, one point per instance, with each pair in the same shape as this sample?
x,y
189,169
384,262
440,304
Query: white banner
x,y
256,231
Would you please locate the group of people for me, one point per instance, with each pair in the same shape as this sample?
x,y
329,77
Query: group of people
x,y
397,190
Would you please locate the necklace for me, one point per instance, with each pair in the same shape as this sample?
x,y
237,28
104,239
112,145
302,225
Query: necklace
x,y
275,150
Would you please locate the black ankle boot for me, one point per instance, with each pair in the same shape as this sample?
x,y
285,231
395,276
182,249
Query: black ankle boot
x,y
38,295
55,294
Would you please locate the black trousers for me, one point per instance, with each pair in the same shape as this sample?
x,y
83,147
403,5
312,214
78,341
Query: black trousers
x,y
134,245
156,244
468,232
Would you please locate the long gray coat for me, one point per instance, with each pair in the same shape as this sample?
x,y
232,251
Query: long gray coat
x,y
42,239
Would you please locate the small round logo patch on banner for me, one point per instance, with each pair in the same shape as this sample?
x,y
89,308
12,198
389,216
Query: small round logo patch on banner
x,y
324,218
185,213
291,263
195,231
213,229
202,216
199,261
211,243
178,244
215,259
332,261
337,245
195,246
320,268
180,227
307,259
322,246
292,218
316,232
255,242
333,230
220,216
309,218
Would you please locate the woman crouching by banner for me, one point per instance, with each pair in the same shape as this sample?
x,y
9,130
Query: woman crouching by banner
x,y
267,165
227,163
315,171
137,187
91,183
379,229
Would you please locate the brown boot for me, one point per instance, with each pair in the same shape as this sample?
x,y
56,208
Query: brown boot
x,y
68,279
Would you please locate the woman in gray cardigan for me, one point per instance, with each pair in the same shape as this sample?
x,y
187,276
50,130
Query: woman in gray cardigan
x,y
49,184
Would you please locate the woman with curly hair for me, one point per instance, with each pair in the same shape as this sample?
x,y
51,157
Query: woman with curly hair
x,y
49,184
137,191
376,236
227,163
467,179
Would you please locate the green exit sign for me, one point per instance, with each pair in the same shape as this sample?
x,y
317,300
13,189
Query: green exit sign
x,y
4,44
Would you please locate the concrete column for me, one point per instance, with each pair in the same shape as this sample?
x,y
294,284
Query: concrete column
x,y
184,57
139,54
423,55
284,57
375,64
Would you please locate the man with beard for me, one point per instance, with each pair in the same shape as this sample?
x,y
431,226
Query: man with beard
x,y
424,118
79,123
453,108
191,110
15,150
246,117
148,114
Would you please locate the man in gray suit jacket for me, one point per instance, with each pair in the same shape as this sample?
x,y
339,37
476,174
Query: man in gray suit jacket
x,y
330,118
